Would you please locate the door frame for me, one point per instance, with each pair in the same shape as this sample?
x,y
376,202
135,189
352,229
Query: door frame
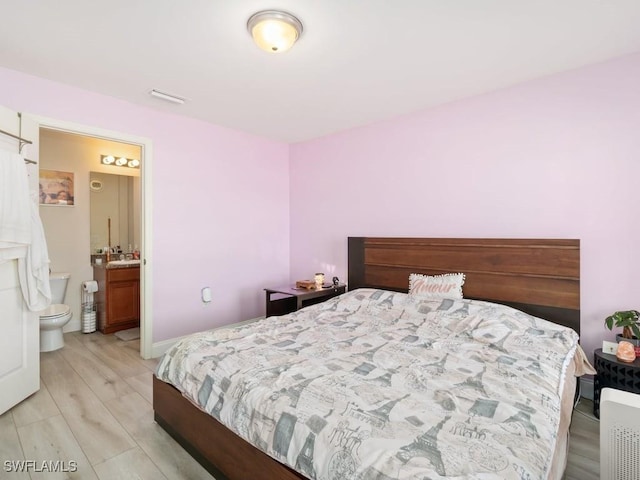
x,y
145,144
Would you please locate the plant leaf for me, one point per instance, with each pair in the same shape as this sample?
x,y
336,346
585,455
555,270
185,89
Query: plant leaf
x,y
636,330
609,322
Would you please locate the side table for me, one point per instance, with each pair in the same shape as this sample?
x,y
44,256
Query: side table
x,y
612,373
287,299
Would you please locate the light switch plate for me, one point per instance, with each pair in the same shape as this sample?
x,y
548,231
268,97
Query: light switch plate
x,y
609,347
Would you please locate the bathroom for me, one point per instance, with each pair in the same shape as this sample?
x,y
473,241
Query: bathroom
x,y
73,233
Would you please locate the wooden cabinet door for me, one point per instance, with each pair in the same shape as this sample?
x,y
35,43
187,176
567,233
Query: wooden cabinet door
x,y
124,301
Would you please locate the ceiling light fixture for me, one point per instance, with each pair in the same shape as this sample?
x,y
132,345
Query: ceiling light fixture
x,y
166,96
274,31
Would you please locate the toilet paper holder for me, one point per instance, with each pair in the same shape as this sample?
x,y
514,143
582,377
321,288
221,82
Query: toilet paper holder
x,y
90,286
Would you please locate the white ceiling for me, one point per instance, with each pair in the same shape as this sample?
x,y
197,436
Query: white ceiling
x,y
357,62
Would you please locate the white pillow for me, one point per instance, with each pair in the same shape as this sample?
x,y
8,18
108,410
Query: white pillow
x,y
448,285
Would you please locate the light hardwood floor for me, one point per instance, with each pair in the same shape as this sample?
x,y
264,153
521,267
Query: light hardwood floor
x,y
584,444
94,408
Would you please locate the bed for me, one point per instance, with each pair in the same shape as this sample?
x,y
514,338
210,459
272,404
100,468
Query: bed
x,y
378,384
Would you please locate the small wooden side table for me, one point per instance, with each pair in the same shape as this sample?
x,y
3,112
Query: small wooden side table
x,y
612,373
287,299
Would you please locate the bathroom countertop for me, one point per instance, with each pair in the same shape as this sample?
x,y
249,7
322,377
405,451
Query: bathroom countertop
x,y
110,266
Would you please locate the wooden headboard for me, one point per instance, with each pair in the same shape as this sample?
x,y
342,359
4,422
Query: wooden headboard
x,y
540,277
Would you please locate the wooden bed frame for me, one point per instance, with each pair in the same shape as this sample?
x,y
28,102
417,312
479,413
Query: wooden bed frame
x,y
541,277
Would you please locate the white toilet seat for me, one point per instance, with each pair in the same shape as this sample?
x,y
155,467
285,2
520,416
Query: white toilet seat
x,y
54,311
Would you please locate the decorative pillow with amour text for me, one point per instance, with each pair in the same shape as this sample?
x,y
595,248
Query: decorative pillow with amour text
x,y
448,285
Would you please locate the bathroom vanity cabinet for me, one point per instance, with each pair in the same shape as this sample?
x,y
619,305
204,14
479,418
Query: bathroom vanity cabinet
x,y
118,297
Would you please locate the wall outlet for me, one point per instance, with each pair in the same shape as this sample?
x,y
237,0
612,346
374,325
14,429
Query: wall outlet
x,y
609,347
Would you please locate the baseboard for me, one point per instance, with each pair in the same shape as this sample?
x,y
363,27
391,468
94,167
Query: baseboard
x,y
159,348
586,386
72,326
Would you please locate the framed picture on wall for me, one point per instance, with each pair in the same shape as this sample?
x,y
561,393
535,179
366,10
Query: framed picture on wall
x,y
56,188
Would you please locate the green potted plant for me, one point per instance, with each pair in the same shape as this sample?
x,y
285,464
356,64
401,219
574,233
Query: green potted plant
x,y
629,320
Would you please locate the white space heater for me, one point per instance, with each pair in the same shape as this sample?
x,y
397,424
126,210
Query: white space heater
x,y
619,435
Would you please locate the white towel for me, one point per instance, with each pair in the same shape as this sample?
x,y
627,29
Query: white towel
x,y
21,232
15,213
33,269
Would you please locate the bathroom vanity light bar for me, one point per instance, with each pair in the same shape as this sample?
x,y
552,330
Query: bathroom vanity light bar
x,y
166,96
120,161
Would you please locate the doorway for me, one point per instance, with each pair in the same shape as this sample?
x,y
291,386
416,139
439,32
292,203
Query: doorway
x,y
78,150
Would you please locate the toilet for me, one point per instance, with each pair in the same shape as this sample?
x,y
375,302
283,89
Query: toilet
x,y
56,315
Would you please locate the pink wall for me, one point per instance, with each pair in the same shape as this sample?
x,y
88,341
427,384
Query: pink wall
x,y
557,157
220,204
552,158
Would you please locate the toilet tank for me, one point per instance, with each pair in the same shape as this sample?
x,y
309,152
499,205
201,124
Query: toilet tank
x,y
58,282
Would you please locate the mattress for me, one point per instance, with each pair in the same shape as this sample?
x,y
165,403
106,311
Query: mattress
x,y
376,384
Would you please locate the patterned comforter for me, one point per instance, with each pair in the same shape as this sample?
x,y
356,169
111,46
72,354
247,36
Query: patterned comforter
x,y
379,385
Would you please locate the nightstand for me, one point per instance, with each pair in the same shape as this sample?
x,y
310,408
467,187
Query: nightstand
x,y
612,373
283,300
